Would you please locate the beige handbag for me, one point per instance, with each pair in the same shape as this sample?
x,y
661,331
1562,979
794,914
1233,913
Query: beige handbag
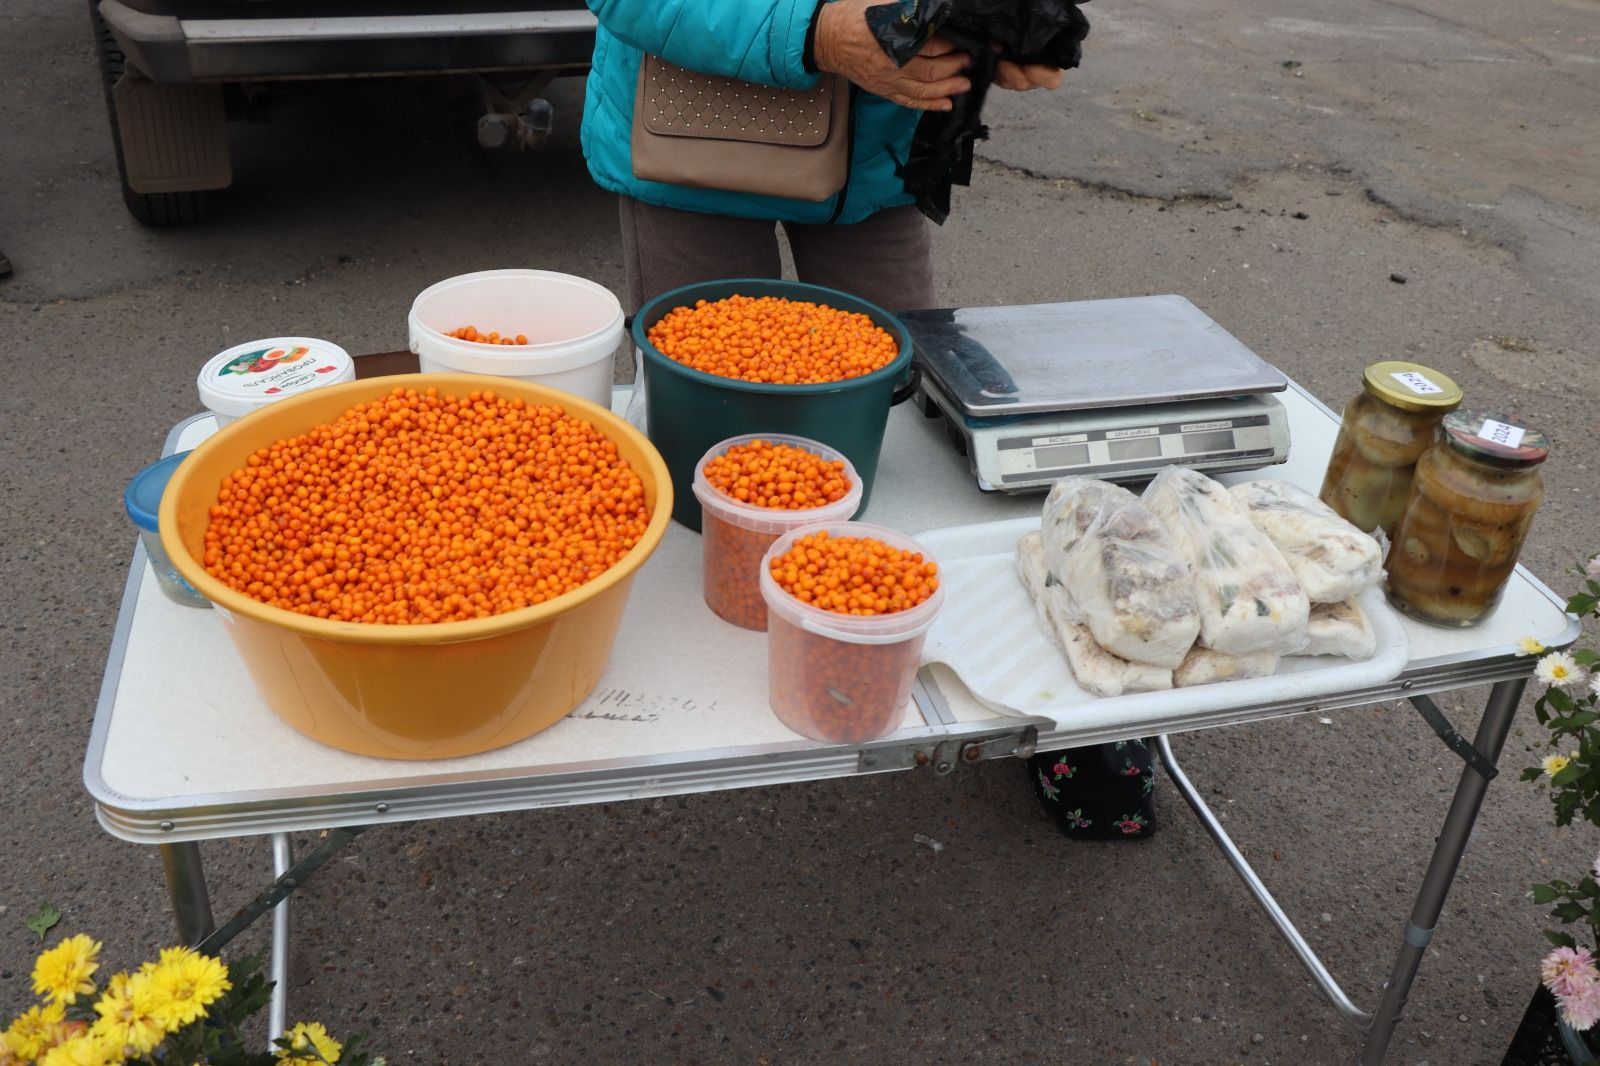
x,y
710,132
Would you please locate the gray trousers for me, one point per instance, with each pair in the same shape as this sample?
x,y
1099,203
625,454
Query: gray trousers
x,y
886,259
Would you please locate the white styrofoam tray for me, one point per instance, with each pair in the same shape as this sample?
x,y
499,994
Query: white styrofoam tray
x,y
991,636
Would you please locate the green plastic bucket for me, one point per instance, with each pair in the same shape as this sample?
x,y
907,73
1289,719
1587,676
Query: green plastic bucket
x,y
689,410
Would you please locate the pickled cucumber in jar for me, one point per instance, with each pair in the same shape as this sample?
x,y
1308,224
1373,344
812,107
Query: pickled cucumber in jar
x,y
1472,501
1385,429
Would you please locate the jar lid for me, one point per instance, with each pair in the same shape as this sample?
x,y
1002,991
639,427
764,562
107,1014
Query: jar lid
x,y
250,375
1496,438
1412,386
142,497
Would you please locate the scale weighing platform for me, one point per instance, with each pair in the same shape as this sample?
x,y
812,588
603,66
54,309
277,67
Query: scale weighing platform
x,y
1113,389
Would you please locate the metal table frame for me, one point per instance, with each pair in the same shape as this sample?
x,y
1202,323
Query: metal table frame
x,y
944,745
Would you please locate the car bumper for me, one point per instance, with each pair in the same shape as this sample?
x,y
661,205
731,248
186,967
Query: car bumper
x,y
176,50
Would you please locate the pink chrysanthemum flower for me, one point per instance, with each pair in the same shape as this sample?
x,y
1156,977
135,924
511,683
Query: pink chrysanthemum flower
x,y
1570,972
1581,1011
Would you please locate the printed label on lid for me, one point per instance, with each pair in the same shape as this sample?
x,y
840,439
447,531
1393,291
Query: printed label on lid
x,y
1500,433
1417,383
275,371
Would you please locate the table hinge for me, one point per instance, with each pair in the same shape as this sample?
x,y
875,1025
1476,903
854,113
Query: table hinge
x,y
1014,745
1454,741
943,755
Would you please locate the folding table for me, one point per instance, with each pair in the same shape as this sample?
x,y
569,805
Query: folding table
x,y
183,749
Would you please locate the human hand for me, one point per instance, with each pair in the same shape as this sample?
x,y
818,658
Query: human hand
x,y
844,45
1020,77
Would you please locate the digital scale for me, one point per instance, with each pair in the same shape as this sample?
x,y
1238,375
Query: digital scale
x,y
1113,389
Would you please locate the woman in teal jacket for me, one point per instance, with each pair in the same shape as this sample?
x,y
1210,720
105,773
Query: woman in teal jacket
x,y
866,239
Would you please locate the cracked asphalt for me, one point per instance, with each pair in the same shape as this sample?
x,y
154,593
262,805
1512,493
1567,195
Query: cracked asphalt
x,y
1277,161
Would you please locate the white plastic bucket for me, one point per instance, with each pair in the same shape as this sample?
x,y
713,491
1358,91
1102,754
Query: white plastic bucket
x,y
573,326
251,375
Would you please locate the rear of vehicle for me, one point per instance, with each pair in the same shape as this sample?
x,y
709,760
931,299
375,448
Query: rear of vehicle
x,y
174,71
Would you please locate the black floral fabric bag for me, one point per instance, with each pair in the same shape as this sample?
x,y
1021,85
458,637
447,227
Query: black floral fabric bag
x,y
1105,791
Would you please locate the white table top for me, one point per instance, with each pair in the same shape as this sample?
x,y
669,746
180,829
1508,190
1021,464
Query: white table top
x,y
184,748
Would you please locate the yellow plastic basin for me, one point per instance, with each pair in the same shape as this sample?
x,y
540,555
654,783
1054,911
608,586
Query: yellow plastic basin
x,y
413,691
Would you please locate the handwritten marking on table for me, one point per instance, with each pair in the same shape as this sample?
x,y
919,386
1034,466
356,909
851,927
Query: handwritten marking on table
x,y
624,705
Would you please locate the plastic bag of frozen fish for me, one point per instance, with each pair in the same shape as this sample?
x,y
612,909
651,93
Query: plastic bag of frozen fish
x,y
1249,599
1095,669
1332,559
1123,574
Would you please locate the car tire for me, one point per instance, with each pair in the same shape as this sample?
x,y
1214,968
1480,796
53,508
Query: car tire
x,y
150,209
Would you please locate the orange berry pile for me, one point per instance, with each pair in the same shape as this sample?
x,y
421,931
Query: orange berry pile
x,y
470,333
779,476
770,339
854,575
420,507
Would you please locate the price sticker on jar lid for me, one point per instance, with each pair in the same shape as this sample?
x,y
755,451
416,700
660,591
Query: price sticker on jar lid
x,y
1418,383
1495,437
1501,433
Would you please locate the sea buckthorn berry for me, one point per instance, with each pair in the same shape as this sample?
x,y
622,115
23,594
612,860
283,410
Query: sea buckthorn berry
x,y
854,575
773,340
830,688
732,570
771,476
834,691
422,507
779,476
471,333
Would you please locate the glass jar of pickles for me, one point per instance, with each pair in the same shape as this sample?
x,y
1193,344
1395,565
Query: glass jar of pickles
x,y
1471,503
1385,430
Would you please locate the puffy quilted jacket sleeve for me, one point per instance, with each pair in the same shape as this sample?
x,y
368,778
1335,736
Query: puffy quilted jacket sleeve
x,y
753,40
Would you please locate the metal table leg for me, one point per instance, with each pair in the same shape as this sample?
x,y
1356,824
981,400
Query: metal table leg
x,y
1493,728
278,1013
1286,928
1379,1026
186,887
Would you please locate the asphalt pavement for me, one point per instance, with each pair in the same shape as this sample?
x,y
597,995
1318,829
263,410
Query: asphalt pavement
x,y
1334,185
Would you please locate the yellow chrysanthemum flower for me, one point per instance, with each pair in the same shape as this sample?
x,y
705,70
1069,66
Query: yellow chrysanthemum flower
x,y
127,1014
183,984
63,973
84,1050
1554,764
34,1030
310,1042
1529,646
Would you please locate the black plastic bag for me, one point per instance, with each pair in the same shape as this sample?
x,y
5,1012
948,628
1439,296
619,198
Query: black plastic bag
x,y
1050,32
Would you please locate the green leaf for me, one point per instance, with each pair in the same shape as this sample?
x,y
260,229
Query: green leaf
x,y
1532,773
1559,699
1544,894
1586,657
1588,888
1560,940
1570,912
43,920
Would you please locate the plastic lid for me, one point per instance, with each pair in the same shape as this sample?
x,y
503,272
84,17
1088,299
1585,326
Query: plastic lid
x,y
771,519
1412,386
1496,438
250,375
142,497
